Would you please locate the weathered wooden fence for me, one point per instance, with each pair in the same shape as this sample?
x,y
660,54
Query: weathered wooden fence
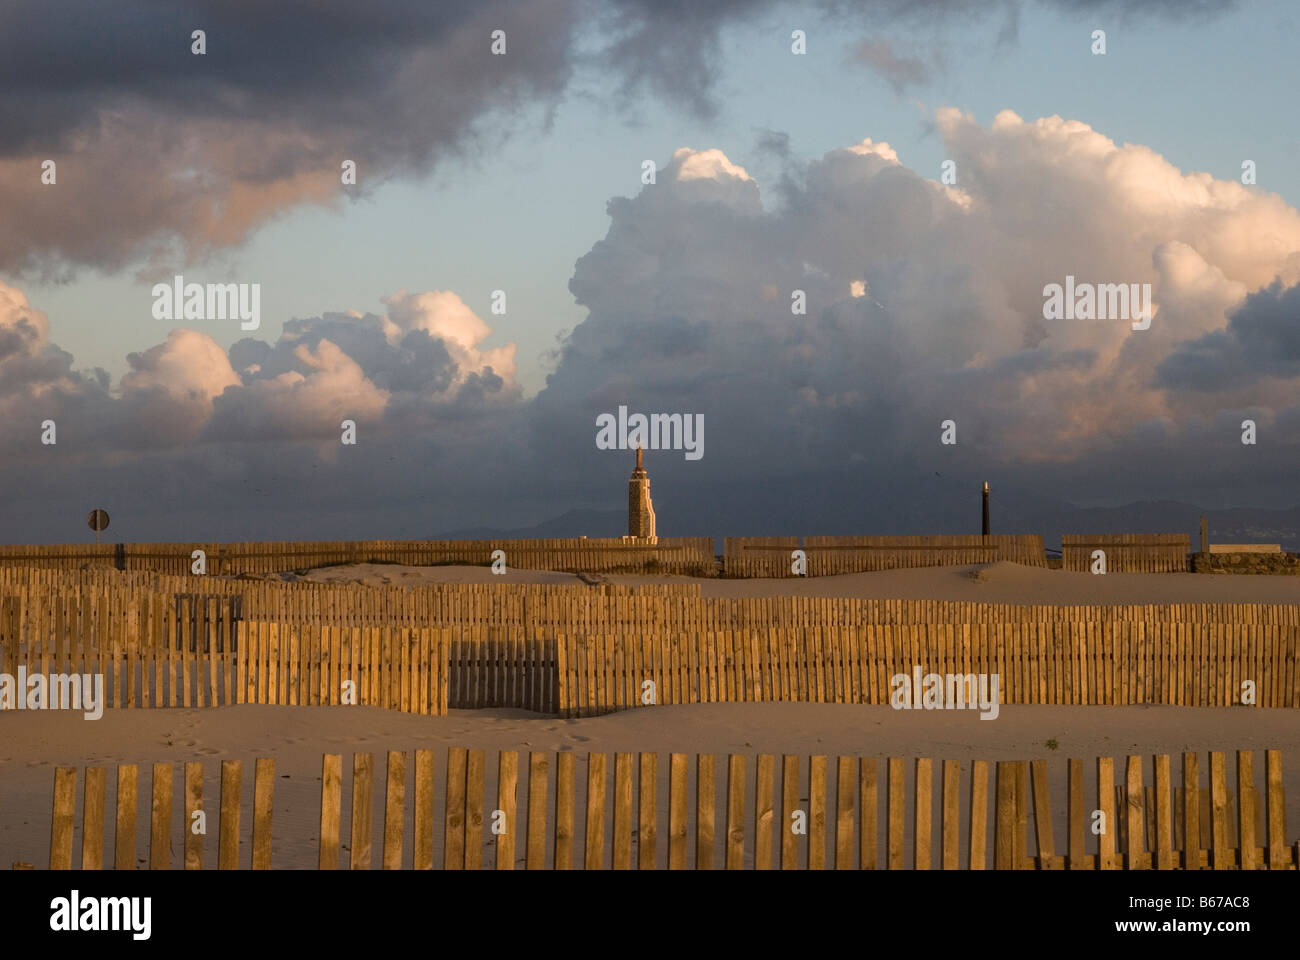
x,y
1128,552
690,556
1062,662
831,555
758,556
402,668
771,556
564,606
679,555
190,648
498,668
162,822
758,812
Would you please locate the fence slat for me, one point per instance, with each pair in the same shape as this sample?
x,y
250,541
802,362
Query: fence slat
x,y
705,811
647,812
423,842
263,802
65,798
507,796
228,840
128,775
160,845
594,849
395,809
736,812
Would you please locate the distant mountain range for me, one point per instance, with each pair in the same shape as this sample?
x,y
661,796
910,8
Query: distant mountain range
x,y
1023,515
574,523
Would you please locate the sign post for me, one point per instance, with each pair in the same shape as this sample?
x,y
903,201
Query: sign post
x,y
98,520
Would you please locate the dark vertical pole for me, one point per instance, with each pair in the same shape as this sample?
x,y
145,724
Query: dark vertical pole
x,y
986,508
1205,535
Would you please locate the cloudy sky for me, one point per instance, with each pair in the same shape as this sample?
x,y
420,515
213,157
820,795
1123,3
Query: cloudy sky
x,y
776,172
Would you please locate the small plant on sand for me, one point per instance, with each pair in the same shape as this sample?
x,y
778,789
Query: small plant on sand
x,y
1052,744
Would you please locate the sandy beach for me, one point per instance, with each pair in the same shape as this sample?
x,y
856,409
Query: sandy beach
x,y
1003,582
34,744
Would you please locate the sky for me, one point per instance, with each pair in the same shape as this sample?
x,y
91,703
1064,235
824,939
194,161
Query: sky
x,y
523,173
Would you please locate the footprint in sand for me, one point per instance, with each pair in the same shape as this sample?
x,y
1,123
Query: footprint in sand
x,y
579,738
208,751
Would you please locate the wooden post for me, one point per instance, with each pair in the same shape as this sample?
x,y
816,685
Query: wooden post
x,y
161,818
736,812
623,811
1005,822
228,837
979,815
263,798
594,849
395,809
453,847
124,838
844,802
921,832
1246,809
1106,804
764,784
705,809
193,806
789,803
423,855
565,766
362,799
1220,852
330,798
647,812
1277,853
65,785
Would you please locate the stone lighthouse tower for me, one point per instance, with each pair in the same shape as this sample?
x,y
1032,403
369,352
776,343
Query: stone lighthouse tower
x,y
640,511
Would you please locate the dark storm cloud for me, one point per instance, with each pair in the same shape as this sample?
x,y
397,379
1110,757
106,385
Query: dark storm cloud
x,y
166,156
1262,339
333,65
201,149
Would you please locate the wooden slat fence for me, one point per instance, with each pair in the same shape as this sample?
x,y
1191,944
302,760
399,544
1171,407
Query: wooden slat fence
x,y
758,556
615,605
493,667
1062,662
177,648
1128,552
760,812
676,555
771,556
167,847
832,555
396,667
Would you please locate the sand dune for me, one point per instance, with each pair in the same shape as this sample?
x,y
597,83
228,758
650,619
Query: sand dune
x,y
991,583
